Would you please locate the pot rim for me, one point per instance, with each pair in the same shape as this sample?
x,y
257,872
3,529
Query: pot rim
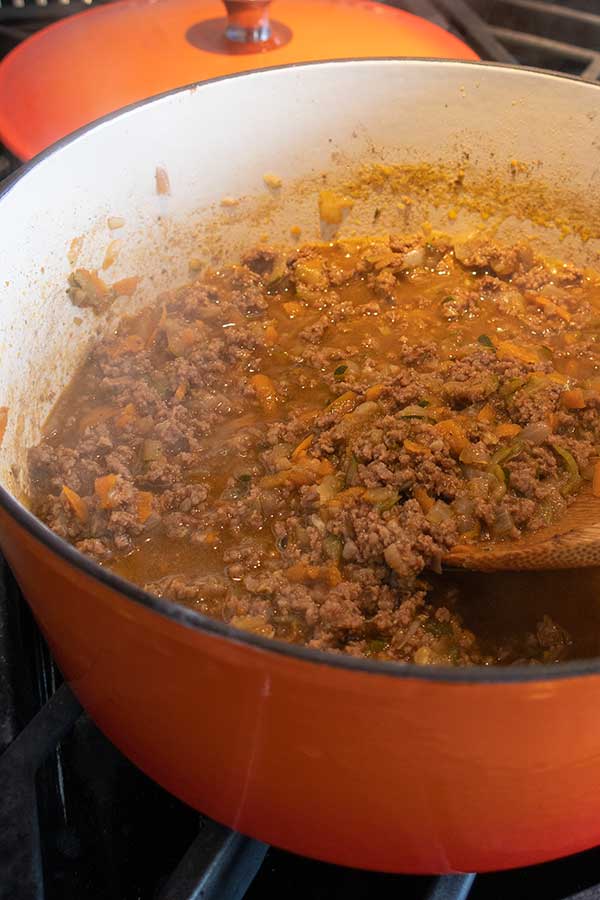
x,y
197,621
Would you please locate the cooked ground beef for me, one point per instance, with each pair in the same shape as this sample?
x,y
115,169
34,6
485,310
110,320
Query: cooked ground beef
x,y
289,444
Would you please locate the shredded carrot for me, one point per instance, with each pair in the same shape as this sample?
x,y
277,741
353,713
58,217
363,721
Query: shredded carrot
x,y
271,335
507,349
558,377
265,391
549,305
560,311
507,429
293,309
346,496
302,447
414,447
279,479
344,403
132,343
161,176
126,417
112,252
552,421
297,475
161,324
99,286
374,392
126,286
3,422
77,504
325,467
573,399
97,415
103,488
486,414
144,501
180,392
454,433
423,498
299,572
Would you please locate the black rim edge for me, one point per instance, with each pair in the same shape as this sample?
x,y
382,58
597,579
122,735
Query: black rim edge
x,y
196,621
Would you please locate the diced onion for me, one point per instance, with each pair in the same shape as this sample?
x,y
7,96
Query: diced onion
x,y
503,523
413,410
328,488
535,432
552,292
414,258
439,512
474,455
151,450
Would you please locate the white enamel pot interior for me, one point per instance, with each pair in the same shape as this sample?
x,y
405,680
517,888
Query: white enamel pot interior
x,y
217,141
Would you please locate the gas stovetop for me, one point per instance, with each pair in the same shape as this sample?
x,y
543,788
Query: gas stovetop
x,y
77,820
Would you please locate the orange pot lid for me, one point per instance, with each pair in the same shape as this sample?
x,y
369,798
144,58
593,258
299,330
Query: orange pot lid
x,y
92,63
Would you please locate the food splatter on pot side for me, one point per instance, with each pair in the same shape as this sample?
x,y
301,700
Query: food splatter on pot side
x,y
290,444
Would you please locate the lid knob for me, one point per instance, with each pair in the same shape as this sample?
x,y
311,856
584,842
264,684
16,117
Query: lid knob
x,y
248,21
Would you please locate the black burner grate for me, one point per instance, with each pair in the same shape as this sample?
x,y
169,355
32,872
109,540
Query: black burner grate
x,y
77,820
561,36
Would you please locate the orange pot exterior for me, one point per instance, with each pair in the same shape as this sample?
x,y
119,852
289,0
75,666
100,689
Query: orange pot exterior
x,y
113,55
396,773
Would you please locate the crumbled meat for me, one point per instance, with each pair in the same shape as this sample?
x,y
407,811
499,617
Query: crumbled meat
x,y
287,444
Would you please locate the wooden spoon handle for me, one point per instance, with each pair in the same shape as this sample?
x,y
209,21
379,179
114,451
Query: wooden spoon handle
x,y
571,543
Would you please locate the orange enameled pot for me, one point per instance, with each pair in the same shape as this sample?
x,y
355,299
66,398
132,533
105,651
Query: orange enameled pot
x,y
443,770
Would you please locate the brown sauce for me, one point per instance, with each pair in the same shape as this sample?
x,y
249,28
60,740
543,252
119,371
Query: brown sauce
x,y
291,444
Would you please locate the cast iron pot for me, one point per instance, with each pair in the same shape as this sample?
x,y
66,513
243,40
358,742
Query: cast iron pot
x,y
392,767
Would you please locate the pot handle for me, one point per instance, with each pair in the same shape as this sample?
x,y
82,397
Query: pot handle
x,y
248,21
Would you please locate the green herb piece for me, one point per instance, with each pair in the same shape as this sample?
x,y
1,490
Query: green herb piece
x,y
239,488
573,475
439,629
423,403
506,453
501,476
352,471
340,372
376,646
389,503
332,547
498,472
536,382
486,341
511,387
382,498
151,450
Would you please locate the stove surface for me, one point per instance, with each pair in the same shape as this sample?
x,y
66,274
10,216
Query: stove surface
x,y
80,822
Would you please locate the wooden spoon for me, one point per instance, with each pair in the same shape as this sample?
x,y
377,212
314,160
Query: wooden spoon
x,y
572,542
